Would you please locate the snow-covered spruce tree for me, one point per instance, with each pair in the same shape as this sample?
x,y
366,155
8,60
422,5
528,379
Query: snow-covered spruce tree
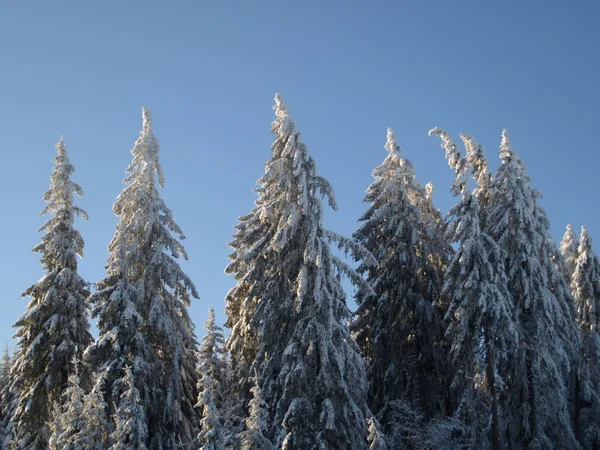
x,y
212,434
68,417
481,329
142,303
212,359
569,251
376,438
253,437
95,427
399,329
8,406
131,430
4,393
479,168
55,327
291,305
586,290
212,385
538,410
5,396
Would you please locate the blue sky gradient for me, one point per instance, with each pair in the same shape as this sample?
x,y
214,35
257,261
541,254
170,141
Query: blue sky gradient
x,y
347,70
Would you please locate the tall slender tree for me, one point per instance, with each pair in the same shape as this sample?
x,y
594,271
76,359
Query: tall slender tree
x,y
253,437
212,434
212,385
95,427
212,357
142,303
55,327
569,251
399,329
5,364
540,367
586,290
68,417
481,329
309,369
131,431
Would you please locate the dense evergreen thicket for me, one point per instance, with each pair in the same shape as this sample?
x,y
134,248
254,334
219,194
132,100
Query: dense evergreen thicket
x,y
474,331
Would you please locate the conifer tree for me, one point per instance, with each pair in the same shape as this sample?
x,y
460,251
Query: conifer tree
x,y
212,434
538,391
376,438
142,303
586,290
481,329
290,298
67,422
569,251
399,328
131,431
212,356
478,166
253,438
212,385
10,398
95,427
55,327
4,392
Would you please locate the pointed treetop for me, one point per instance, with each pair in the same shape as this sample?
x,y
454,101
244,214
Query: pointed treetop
x,y
146,121
569,244
585,240
60,147
391,145
456,161
506,151
585,236
569,251
280,107
429,189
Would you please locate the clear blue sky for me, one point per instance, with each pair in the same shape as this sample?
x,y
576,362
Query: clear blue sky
x,y
347,70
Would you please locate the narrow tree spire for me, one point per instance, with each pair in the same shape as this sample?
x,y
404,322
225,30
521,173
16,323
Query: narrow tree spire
x,y
292,306
481,329
142,303
538,393
569,251
54,329
586,291
403,314
131,430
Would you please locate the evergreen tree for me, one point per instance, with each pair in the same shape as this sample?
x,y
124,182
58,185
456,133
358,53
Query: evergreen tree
x,y
67,422
212,433
10,398
213,362
477,162
131,431
376,438
538,388
94,434
290,301
55,327
4,392
481,329
569,251
212,385
142,303
586,290
253,438
399,328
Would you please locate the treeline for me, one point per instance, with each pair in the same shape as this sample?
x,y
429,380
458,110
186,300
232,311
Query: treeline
x,y
474,331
